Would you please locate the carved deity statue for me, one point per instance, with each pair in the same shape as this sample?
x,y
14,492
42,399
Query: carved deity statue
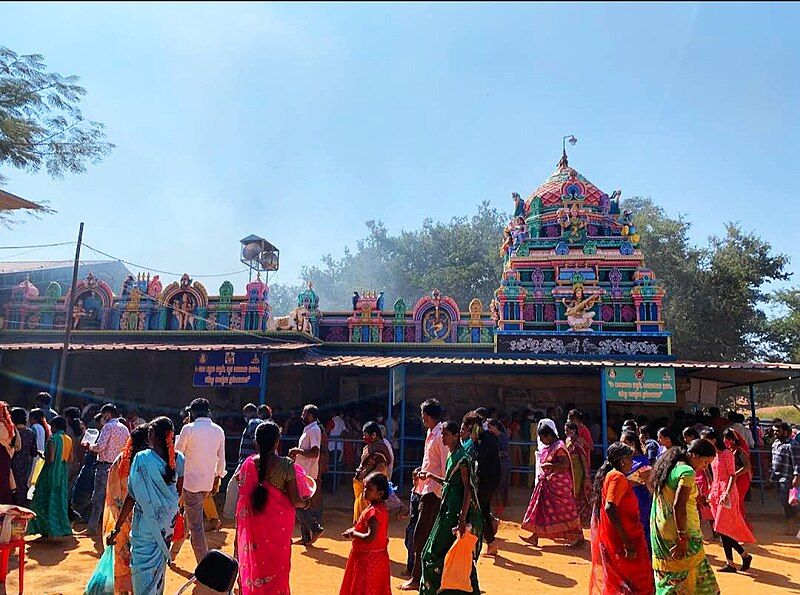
x,y
154,287
494,311
183,309
572,221
578,310
519,232
519,205
78,313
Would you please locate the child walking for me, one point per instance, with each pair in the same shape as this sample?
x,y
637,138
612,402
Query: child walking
x,y
367,571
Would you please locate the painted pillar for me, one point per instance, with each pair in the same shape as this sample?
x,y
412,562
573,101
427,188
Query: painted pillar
x,y
54,372
754,430
262,388
603,411
395,399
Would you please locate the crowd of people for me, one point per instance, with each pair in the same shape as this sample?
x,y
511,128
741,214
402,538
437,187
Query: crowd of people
x,y
139,484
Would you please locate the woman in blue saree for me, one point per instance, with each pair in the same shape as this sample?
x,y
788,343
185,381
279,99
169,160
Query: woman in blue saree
x,y
154,482
641,476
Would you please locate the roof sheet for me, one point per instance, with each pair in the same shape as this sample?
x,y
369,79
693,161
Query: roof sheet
x,y
377,361
731,373
155,347
23,266
10,202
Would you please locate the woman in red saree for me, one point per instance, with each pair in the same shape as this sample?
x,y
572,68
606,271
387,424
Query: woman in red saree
x,y
620,558
579,453
552,512
265,516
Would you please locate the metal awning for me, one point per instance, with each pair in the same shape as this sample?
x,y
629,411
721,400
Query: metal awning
x,y
154,347
730,373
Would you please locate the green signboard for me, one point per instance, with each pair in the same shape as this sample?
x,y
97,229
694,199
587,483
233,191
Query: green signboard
x,y
642,385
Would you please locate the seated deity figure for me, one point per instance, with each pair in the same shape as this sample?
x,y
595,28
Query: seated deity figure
x,y
579,314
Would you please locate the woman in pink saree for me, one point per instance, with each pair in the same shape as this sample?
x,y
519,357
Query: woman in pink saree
x,y
552,512
268,496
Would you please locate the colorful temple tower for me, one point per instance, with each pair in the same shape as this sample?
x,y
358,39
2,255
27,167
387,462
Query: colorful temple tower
x,y
574,279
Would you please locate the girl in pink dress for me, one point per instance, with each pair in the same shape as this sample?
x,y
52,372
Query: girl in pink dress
x,y
268,496
724,500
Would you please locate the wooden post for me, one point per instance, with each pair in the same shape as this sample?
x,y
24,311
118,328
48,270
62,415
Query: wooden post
x,y
67,334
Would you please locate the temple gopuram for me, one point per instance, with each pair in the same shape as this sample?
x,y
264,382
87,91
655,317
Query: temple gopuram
x,y
576,319
574,278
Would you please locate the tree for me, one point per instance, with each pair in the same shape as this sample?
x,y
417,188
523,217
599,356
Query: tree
x,y
41,124
714,301
283,298
459,257
784,327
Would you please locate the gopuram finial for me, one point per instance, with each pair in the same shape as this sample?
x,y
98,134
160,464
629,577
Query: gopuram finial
x,y
564,162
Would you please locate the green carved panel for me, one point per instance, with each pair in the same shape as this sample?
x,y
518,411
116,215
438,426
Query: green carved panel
x,y
463,335
225,295
53,293
400,309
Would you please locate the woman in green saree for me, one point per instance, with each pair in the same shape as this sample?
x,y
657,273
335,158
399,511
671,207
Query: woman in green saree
x,y
459,509
51,493
679,560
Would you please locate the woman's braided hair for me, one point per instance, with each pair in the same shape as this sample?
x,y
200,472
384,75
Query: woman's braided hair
x,y
267,436
614,456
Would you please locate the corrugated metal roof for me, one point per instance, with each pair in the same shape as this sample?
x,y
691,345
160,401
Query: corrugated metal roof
x,y
372,361
155,347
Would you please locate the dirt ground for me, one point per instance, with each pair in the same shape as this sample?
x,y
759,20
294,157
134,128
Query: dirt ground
x,y
63,567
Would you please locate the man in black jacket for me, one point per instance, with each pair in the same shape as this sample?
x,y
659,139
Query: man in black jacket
x,y
487,454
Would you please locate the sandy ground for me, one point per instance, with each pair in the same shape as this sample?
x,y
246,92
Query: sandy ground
x,y
64,566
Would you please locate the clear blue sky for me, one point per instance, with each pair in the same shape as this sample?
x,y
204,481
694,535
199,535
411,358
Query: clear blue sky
x,y
300,122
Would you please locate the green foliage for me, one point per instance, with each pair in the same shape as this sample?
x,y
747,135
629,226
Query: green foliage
x,y
715,293
459,257
783,330
41,124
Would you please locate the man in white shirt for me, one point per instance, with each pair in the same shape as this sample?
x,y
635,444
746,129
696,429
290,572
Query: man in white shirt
x,y
202,443
307,456
434,462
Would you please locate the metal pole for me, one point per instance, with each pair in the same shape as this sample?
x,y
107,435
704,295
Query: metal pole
x,y
71,303
754,430
603,410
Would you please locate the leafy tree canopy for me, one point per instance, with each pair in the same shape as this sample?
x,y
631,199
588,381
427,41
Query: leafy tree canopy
x,y
715,293
41,124
460,257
